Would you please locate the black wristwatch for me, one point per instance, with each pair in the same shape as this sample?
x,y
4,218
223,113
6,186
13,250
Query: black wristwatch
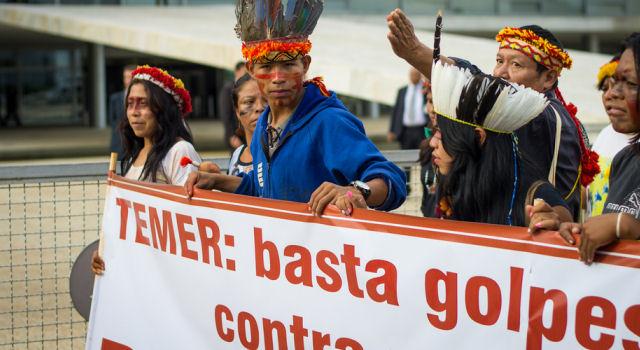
x,y
362,186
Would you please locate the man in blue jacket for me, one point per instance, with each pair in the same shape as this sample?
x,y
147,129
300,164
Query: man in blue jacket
x,y
307,146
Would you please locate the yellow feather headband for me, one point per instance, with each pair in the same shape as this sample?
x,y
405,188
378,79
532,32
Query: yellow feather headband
x,y
606,70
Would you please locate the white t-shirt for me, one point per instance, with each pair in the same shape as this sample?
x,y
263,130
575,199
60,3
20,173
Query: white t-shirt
x,y
609,142
171,172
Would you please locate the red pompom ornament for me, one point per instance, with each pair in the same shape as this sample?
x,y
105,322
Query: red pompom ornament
x,y
589,159
184,161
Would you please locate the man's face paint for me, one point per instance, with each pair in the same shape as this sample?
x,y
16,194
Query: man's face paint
x,y
280,82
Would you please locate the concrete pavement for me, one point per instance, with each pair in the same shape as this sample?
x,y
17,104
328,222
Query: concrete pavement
x,y
21,144
81,144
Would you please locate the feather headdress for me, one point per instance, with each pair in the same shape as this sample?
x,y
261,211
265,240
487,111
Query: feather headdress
x,y
482,100
276,30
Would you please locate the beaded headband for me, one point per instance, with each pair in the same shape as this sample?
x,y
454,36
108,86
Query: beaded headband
x,y
536,47
275,50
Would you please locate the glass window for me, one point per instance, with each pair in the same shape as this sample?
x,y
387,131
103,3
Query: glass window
x,y
45,58
7,58
48,97
41,87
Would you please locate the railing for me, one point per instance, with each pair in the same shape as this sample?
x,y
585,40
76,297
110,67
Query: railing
x,y
48,215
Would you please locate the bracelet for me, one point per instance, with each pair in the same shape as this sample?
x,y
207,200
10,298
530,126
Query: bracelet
x,y
618,225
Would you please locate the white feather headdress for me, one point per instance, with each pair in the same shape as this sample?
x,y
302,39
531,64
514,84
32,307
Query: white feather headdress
x,y
464,97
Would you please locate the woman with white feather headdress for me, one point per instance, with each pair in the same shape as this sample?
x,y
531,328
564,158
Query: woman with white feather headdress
x,y
482,176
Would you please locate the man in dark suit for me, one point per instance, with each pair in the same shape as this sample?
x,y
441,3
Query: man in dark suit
x,y
116,110
226,109
408,118
11,100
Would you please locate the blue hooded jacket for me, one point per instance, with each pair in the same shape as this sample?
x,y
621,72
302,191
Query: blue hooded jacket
x,y
321,142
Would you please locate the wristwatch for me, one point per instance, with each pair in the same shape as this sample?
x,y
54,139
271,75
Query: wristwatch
x,y
362,186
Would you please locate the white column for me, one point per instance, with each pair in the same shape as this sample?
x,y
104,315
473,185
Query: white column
x,y
98,87
594,43
374,107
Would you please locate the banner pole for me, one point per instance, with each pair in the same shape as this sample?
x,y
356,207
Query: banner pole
x,y
112,162
112,171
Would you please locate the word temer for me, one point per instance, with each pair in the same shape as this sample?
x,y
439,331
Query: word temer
x,y
159,231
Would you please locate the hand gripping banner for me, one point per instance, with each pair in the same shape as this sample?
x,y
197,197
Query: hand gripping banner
x,y
222,271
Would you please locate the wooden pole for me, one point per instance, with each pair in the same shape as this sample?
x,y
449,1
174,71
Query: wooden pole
x,y
112,162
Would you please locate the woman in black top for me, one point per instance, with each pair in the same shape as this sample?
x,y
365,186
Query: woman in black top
x,y
621,214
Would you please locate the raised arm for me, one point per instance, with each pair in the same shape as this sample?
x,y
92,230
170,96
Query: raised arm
x,y
406,45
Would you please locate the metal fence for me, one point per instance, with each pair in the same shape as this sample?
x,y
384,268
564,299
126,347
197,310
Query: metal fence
x,y
48,215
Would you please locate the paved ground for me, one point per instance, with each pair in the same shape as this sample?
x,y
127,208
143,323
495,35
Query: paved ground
x,y
81,144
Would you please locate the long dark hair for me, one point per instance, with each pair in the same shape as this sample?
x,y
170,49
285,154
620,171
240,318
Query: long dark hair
x,y
479,184
170,129
632,42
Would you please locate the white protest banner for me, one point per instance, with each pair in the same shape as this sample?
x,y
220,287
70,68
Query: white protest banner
x,y
222,271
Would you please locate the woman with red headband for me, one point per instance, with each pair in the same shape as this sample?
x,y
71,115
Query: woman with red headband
x,y
154,135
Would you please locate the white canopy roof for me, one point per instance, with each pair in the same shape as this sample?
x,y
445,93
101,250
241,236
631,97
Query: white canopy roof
x,y
354,58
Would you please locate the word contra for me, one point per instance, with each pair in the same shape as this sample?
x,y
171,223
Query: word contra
x,y
248,332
